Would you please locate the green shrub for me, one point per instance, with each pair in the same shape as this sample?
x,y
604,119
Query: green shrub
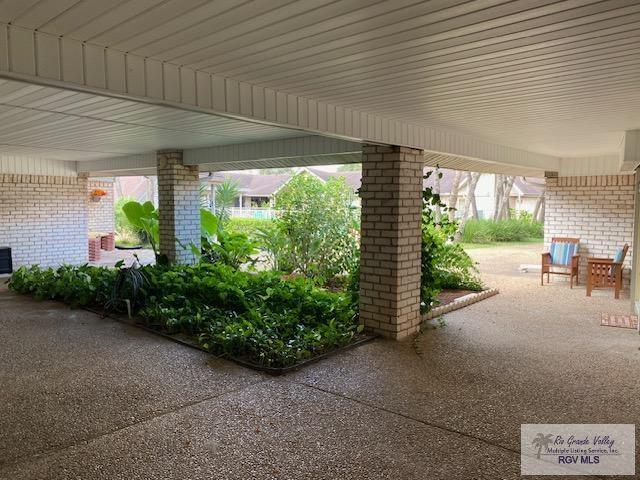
x,y
78,286
315,229
512,230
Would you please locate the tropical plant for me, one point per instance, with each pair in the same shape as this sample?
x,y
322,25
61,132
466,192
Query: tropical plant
x,y
204,192
225,196
126,287
144,216
229,248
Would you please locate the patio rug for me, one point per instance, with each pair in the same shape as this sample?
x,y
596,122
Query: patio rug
x,y
621,321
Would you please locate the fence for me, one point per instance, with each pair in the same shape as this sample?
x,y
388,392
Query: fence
x,y
253,212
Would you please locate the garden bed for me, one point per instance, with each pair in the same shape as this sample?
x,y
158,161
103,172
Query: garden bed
x,y
259,319
189,341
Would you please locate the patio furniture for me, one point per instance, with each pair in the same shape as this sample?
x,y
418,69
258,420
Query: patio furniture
x,y
606,272
561,259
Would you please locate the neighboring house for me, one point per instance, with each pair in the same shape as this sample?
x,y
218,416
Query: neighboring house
x,y
523,196
257,190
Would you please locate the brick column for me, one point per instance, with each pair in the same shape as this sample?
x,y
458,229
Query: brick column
x,y
179,205
391,195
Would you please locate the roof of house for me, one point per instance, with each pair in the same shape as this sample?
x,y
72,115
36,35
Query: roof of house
x,y
257,185
529,186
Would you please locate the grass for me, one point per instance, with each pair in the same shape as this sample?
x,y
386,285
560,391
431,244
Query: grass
x,y
511,230
530,241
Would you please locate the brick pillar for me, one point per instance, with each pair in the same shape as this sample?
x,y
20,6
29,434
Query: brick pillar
x,y
179,205
391,195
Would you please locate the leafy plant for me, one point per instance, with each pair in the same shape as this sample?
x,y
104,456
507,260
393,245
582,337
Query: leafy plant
x,y
229,248
127,285
225,196
77,286
144,216
260,317
444,263
315,232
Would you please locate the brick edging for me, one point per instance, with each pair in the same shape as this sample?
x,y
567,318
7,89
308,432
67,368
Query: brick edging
x,y
459,303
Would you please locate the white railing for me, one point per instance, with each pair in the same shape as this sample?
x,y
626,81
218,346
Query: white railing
x,y
253,212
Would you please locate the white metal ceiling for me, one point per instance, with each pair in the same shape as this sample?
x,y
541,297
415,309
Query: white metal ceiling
x,y
62,124
556,77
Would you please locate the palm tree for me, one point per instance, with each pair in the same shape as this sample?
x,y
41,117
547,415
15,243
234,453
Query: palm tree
x,y
225,196
541,441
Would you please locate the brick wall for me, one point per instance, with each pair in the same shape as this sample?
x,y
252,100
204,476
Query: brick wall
x,y
101,215
44,219
596,209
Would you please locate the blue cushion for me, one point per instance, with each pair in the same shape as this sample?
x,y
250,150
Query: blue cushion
x,y
619,255
562,252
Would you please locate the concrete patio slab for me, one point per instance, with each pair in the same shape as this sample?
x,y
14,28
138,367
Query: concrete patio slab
x,y
528,355
88,398
275,430
69,375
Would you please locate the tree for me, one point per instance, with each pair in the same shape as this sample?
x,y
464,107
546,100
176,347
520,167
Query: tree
x,y
507,185
455,189
224,197
436,191
469,201
497,199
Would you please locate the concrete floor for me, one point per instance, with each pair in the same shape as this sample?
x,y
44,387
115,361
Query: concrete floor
x,y
144,256
87,398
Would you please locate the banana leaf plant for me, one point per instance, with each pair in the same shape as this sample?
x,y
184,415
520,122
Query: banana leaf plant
x,y
145,217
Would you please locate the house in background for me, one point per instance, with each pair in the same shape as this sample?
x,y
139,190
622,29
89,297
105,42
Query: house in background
x,y
256,191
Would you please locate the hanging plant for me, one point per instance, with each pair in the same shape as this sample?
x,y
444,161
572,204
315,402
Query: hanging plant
x,y
97,194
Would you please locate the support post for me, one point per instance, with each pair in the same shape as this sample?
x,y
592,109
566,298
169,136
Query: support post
x,y
391,239
179,206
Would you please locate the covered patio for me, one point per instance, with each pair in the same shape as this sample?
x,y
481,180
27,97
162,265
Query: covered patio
x,y
536,88
112,401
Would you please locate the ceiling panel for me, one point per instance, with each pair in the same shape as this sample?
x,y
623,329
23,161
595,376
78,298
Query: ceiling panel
x,y
555,77
61,124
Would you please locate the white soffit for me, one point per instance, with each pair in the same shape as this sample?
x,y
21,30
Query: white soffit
x,y
555,77
53,123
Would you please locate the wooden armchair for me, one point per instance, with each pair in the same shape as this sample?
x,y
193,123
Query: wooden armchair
x,y
561,259
606,272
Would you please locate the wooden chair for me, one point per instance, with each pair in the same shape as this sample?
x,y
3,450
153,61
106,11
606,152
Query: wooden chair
x,y
606,272
562,254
